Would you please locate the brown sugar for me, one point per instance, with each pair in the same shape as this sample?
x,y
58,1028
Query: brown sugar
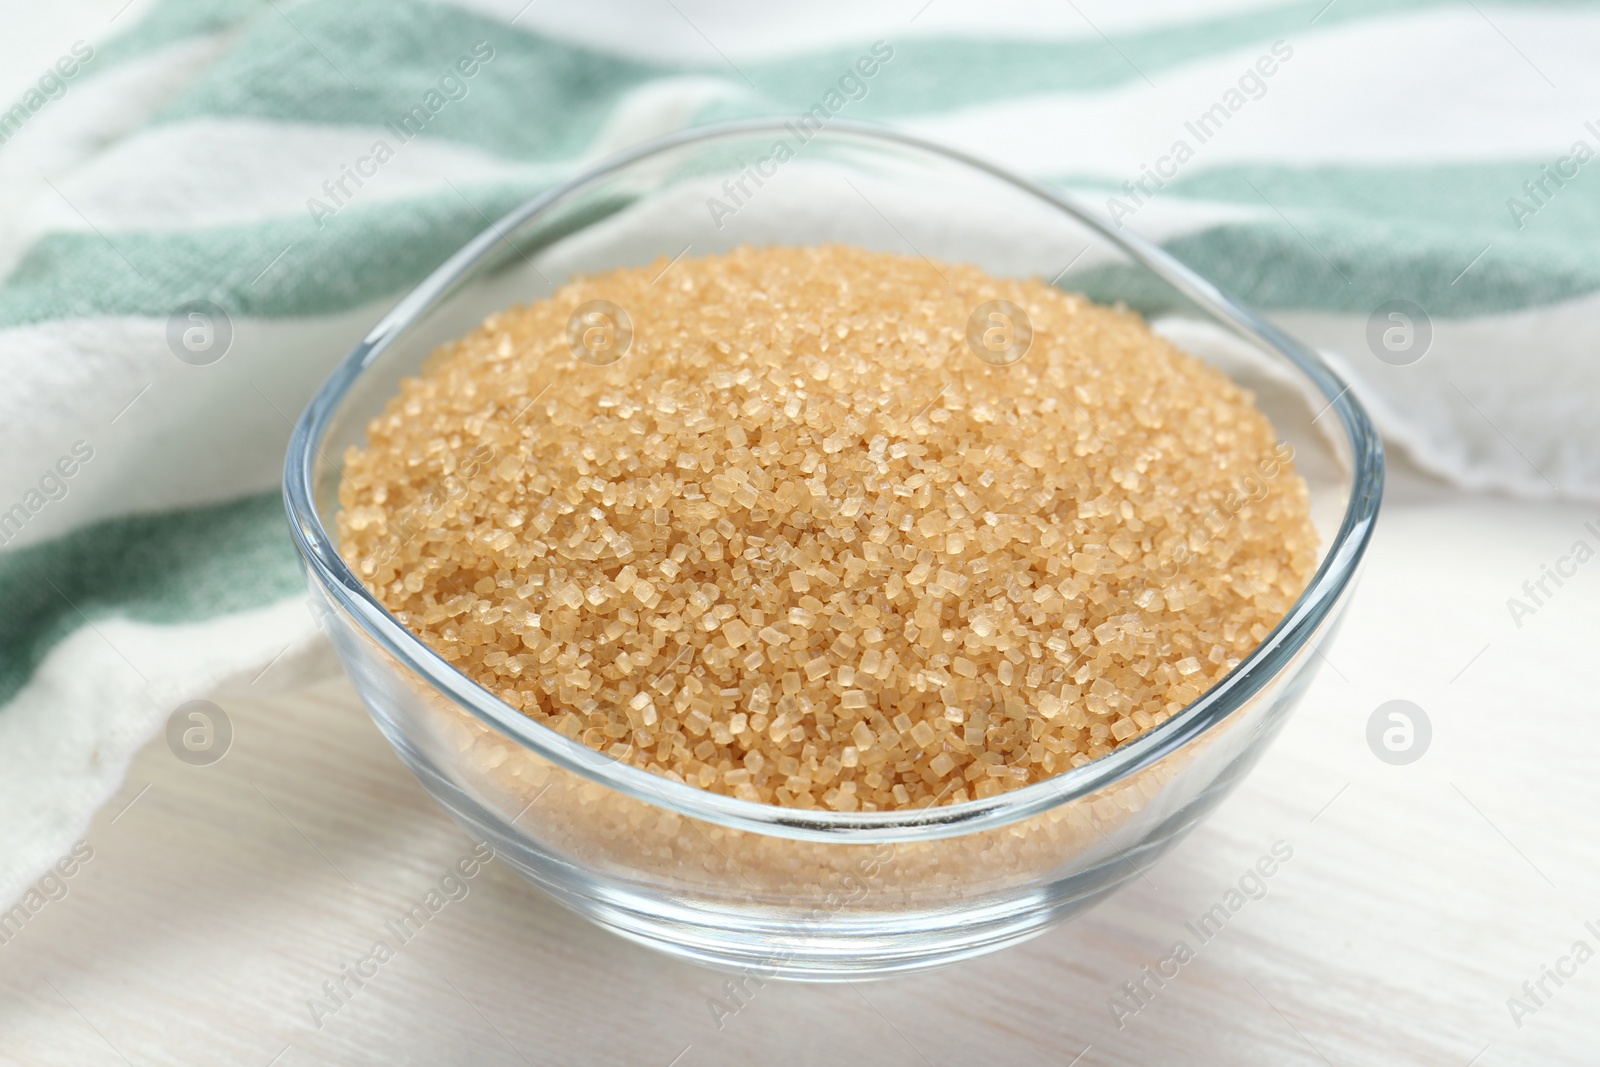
x,y
800,545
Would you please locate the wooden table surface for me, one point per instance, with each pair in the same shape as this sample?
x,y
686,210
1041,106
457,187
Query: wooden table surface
x,y
1418,899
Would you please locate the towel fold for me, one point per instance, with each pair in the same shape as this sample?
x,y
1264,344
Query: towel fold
x,y
207,209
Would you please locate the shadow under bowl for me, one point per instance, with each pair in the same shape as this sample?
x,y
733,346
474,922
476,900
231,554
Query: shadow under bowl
x,y
805,893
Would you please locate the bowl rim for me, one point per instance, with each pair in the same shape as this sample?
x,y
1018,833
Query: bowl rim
x,y
1302,622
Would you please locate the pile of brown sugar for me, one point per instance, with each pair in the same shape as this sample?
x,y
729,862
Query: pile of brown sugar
x,y
800,545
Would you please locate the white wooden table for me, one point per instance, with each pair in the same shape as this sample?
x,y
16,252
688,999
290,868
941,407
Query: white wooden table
x,y
1418,900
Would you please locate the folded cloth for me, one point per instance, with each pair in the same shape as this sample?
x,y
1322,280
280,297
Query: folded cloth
x,y
210,206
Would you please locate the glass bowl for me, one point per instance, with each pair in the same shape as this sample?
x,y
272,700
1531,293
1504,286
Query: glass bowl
x,y
779,891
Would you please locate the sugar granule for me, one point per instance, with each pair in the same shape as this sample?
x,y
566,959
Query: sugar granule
x,y
801,546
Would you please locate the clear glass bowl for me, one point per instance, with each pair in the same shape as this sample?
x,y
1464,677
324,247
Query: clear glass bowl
x,y
780,891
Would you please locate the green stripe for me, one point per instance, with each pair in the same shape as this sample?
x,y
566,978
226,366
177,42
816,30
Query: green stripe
x,y
370,61
1434,199
1350,238
171,21
326,42
358,255
1278,270
929,75
277,268
393,51
1385,228
173,567
1392,232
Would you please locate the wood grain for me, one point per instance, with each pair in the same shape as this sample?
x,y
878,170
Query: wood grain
x,y
1418,898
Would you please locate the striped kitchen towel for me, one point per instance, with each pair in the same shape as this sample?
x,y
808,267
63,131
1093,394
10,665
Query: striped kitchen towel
x,y
209,201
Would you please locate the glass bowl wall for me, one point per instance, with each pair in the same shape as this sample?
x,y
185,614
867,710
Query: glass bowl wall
x,y
821,894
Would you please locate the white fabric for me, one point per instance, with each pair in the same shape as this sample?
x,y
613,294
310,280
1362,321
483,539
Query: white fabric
x,y
1433,85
